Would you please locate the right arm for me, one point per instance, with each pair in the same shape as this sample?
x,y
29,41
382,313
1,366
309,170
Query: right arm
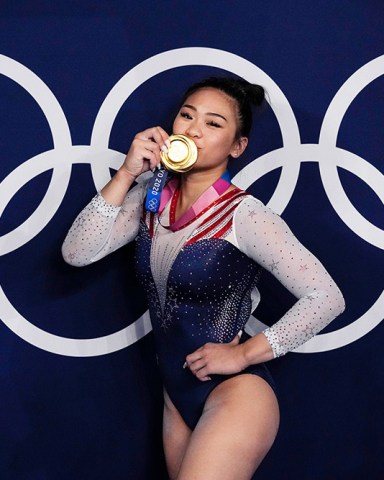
x,y
112,218
143,155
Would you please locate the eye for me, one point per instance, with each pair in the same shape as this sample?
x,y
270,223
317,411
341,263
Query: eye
x,y
186,115
212,123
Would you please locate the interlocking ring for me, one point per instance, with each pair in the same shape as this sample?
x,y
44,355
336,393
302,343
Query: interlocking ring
x,y
101,158
152,204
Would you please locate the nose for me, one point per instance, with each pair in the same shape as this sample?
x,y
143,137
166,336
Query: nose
x,y
193,130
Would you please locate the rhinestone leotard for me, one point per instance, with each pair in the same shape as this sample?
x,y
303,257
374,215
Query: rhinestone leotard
x,y
201,281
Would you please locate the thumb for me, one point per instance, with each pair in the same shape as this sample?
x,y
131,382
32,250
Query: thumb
x,y
236,340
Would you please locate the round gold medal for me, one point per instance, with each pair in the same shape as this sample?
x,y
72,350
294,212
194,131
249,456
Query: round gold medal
x,y
181,155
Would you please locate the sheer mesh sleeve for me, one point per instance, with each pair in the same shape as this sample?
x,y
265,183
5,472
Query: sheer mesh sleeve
x,y
101,228
264,236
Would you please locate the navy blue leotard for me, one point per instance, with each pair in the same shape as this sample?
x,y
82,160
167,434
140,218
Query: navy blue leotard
x,y
201,281
208,299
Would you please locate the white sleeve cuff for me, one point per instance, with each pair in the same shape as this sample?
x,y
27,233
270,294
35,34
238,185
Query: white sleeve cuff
x,y
273,340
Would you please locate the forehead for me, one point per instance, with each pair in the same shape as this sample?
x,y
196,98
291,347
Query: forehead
x,y
212,100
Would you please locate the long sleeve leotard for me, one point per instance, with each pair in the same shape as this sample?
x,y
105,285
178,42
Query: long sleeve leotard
x,y
201,281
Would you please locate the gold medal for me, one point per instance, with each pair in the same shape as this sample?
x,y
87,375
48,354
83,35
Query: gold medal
x,y
181,155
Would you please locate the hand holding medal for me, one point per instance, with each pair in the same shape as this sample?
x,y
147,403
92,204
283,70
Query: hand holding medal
x,y
180,158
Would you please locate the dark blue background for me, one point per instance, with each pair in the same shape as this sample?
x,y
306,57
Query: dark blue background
x,y
100,417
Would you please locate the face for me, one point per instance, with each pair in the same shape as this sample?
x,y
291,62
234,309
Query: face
x,y
209,117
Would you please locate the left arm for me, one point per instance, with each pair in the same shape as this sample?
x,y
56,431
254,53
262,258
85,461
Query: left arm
x,y
265,237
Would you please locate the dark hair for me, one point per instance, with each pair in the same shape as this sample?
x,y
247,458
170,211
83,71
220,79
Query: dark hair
x,y
243,92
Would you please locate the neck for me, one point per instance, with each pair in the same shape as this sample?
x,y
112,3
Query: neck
x,y
193,184
194,181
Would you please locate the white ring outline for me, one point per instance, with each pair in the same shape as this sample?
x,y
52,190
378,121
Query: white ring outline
x,y
307,347
204,57
356,165
61,140
43,339
328,168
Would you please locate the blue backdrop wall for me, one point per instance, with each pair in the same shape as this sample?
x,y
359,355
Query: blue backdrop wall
x,y
80,395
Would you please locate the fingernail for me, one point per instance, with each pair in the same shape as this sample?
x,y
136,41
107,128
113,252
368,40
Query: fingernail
x,y
168,143
240,333
164,149
185,365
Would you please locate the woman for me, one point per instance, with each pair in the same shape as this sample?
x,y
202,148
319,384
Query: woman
x,y
199,259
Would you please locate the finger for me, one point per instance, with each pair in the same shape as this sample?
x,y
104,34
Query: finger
x,y
151,152
205,379
192,357
146,134
151,157
157,135
236,340
162,137
197,365
140,146
203,374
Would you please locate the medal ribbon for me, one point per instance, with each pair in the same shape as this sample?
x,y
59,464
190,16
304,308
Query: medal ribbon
x,y
206,198
155,189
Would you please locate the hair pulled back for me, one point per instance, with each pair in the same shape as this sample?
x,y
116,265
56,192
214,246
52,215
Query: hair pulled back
x,y
244,93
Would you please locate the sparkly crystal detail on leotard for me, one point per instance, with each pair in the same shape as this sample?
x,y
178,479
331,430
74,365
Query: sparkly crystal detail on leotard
x,y
201,281
104,208
255,230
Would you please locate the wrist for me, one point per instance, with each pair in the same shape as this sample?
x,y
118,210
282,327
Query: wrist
x,y
125,176
245,360
117,188
257,350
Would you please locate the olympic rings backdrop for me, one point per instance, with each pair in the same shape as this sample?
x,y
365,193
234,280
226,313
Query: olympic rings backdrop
x,y
80,393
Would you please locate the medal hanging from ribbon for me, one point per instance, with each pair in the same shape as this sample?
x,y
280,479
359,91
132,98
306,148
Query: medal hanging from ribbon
x,y
180,158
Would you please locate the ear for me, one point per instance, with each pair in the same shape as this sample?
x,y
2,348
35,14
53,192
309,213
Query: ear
x,y
238,147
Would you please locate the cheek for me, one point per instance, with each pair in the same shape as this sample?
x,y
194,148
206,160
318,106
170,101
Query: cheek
x,y
178,124
174,125
225,141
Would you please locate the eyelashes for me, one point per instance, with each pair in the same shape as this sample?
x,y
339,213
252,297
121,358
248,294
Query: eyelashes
x,y
214,124
211,123
186,115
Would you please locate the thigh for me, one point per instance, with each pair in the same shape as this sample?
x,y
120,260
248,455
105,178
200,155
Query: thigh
x,y
176,435
235,432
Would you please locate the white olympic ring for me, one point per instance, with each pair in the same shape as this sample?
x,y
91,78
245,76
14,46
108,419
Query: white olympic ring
x,y
100,157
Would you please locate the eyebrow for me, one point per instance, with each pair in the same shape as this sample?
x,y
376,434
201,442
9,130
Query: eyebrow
x,y
208,113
